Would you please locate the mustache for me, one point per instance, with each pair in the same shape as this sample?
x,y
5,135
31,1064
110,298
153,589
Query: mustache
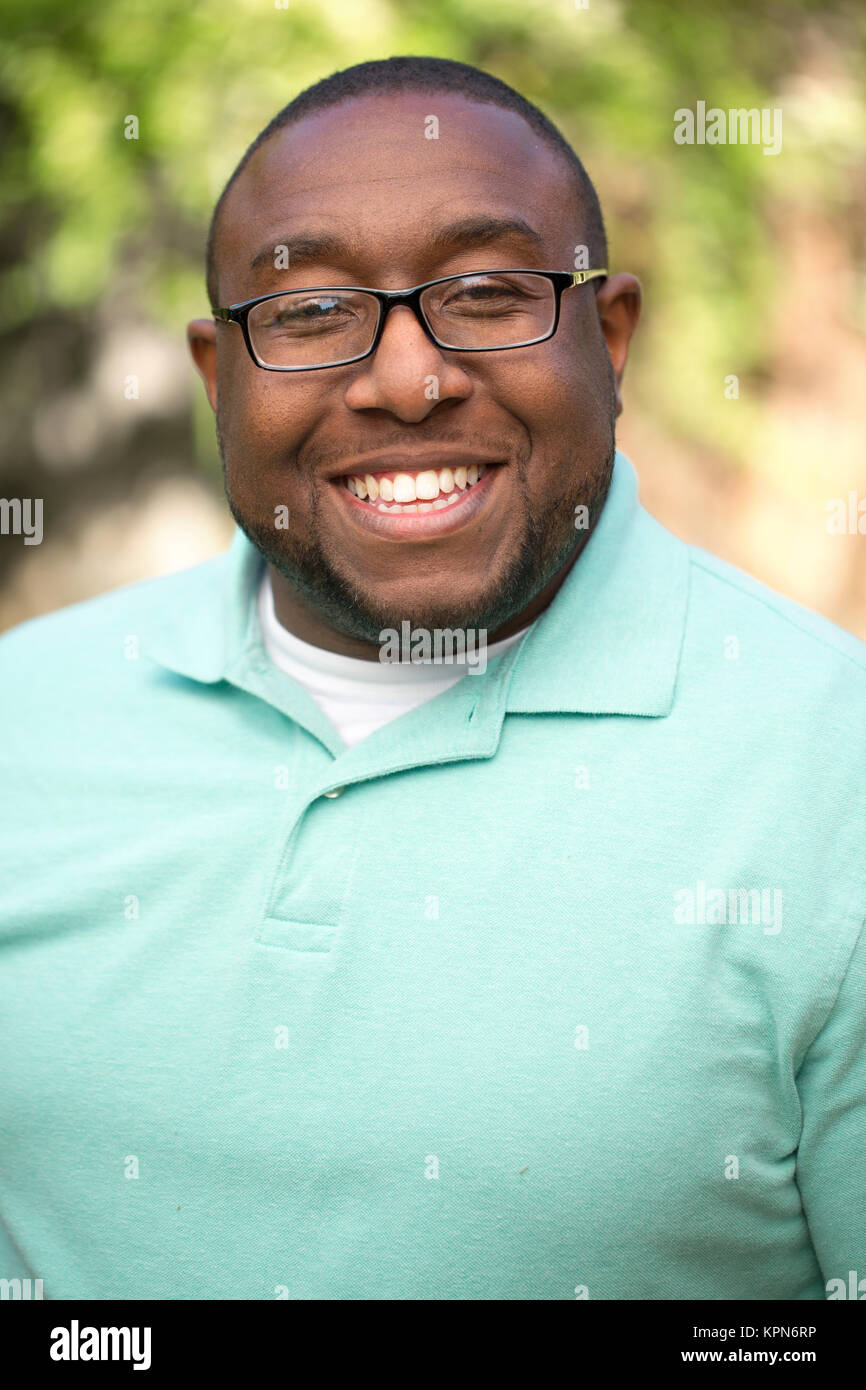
x,y
397,441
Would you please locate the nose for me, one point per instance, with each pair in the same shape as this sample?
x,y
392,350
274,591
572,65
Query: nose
x,y
407,375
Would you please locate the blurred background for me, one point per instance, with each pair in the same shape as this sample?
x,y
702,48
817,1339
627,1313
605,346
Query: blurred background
x,y
746,392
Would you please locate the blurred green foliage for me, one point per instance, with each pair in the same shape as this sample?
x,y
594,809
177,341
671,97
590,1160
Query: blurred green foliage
x,y
88,214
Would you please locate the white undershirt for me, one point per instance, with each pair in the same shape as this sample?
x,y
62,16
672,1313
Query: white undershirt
x,y
360,696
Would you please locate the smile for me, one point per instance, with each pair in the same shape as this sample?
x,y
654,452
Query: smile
x,y
414,492
426,504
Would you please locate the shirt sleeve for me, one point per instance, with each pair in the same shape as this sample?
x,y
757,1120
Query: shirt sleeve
x,y
831,1158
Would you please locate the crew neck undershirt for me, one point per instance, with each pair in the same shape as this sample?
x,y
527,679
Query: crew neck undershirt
x,y
360,696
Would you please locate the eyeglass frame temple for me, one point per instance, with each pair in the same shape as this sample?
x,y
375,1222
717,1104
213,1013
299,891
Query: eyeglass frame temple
x,y
411,299
580,277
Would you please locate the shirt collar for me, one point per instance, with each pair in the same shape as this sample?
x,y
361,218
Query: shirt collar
x,y
608,643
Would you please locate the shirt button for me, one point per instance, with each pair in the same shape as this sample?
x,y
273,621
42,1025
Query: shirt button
x,y
338,791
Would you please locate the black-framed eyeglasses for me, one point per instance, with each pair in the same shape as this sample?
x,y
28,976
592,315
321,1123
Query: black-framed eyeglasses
x,y
329,326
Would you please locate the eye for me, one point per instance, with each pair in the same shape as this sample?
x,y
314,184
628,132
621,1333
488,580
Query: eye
x,y
304,314
487,294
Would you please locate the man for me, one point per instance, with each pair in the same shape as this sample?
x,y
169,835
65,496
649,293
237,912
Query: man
x,y
334,977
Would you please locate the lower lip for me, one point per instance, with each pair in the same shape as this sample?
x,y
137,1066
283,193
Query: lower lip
x,y
417,526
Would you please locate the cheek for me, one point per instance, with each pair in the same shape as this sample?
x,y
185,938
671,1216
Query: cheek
x,y
558,401
579,404
264,420
579,367
565,406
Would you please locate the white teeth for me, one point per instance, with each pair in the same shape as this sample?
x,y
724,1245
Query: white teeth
x,y
427,485
446,480
404,488
432,490
440,502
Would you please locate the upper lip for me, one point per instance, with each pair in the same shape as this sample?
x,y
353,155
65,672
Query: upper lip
x,y
405,461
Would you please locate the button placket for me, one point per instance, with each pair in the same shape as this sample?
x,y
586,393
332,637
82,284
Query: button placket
x,y
310,886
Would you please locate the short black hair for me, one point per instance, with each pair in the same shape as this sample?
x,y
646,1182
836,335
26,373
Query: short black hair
x,y
431,75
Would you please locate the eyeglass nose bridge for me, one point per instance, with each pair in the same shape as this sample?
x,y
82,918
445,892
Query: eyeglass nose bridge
x,y
406,299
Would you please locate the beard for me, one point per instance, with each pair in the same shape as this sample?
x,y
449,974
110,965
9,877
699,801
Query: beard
x,y
311,568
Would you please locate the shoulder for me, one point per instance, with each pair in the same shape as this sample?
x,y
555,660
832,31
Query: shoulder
x,y
88,641
781,643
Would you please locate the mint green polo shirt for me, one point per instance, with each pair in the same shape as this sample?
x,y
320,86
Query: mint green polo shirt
x,y
552,988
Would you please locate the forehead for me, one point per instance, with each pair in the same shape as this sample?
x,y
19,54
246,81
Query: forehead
x,y
379,173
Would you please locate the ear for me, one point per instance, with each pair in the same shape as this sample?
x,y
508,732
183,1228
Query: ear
x,y
201,336
619,302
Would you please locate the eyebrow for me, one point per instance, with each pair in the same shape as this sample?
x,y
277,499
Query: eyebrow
x,y
481,229
478,230
302,250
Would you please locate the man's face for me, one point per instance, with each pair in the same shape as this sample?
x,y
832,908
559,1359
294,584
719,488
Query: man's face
x,y
397,209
